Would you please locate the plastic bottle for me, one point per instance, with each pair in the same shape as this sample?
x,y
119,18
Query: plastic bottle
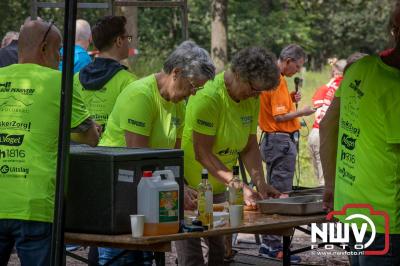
x,y
235,188
158,200
205,201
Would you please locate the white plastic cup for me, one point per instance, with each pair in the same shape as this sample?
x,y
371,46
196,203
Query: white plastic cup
x,y
137,225
236,215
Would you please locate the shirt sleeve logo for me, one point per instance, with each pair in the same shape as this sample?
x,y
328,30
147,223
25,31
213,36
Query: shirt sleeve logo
x,y
136,123
205,123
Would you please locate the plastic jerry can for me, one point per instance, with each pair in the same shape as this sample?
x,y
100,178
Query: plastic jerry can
x,y
158,201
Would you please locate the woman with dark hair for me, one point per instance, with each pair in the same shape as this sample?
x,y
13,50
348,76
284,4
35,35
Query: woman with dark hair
x,y
220,125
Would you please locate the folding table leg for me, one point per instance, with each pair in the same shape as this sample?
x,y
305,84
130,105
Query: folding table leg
x,y
159,257
286,250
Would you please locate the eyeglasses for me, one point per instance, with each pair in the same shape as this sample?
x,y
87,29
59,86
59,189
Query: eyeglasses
x,y
129,37
194,87
47,31
254,89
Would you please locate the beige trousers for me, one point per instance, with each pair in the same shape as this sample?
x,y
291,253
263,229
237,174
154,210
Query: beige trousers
x,y
313,146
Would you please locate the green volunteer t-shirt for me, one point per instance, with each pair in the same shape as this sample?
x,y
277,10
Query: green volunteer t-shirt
x,y
101,102
368,158
141,109
213,112
29,121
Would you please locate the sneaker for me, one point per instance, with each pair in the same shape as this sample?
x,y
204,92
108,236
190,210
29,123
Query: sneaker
x,y
71,248
276,254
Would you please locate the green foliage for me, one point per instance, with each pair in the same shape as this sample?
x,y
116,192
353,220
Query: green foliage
x,y
325,28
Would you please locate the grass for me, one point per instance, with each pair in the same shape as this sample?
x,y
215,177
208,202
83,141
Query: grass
x,y
312,80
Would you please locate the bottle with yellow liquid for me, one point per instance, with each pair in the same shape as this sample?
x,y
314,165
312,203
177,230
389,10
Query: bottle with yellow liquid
x,y
235,188
205,201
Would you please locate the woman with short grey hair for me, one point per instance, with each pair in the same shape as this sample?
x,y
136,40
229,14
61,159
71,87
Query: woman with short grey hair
x,y
150,112
221,124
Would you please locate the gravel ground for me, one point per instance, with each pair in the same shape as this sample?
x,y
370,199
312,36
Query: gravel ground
x,y
300,240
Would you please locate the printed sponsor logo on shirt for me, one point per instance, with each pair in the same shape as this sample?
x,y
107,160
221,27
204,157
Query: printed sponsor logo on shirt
x,y
136,123
175,121
17,171
346,156
356,87
13,124
94,101
348,142
12,104
5,85
12,153
346,174
246,120
227,151
281,108
11,140
348,126
100,117
205,123
7,88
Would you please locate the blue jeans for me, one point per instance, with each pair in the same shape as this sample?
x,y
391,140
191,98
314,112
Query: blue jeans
x,y
130,258
389,259
31,239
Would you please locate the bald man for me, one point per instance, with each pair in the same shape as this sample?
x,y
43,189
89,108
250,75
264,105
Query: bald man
x,y
83,38
29,120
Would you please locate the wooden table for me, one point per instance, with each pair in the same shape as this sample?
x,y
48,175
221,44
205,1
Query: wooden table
x,y
254,222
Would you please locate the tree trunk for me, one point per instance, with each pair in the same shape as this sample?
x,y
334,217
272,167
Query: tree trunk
x,y
131,14
219,29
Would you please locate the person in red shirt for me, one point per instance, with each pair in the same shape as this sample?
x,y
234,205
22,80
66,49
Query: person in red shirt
x,y
321,101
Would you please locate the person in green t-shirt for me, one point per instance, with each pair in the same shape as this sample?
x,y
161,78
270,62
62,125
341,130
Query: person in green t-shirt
x,y
360,137
101,81
221,124
150,112
30,93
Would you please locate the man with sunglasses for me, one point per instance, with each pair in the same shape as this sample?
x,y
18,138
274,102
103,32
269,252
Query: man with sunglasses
x,y
101,81
30,94
279,121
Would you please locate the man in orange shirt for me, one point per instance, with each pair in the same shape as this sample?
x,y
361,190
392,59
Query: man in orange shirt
x,y
279,121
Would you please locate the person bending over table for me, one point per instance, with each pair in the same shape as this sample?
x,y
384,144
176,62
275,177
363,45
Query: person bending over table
x,y
150,112
221,124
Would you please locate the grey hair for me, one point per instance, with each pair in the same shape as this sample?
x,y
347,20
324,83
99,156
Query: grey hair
x,y
194,61
9,37
292,51
83,31
256,64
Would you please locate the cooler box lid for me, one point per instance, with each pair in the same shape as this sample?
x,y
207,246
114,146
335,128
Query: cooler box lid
x,y
85,152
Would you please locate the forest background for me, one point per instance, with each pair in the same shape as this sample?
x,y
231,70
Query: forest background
x,y
325,28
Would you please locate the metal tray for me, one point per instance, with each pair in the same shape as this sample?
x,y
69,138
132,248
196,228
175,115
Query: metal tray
x,y
306,191
302,205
